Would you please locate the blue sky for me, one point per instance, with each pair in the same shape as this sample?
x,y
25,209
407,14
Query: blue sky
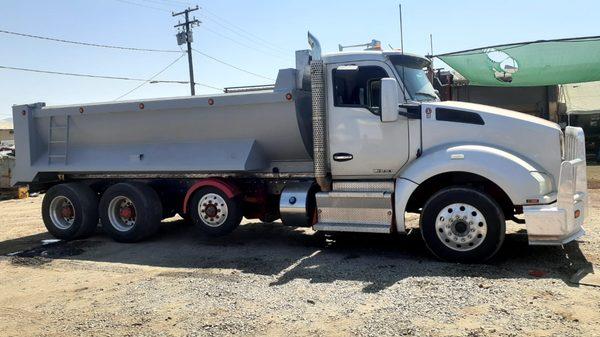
x,y
455,25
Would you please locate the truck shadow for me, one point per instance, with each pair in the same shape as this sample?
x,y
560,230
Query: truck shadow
x,y
286,254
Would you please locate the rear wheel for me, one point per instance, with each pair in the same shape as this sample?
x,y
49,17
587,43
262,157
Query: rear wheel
x,y
214,213
70,211
130,212
462,225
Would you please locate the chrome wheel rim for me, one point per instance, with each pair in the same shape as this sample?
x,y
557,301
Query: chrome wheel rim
x,y
122,213
461,227
213,210
62,212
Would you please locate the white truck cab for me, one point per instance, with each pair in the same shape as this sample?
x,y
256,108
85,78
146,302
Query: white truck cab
x,y
348,141
429,147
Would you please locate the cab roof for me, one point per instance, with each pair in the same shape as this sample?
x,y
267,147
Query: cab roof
x,y
362,55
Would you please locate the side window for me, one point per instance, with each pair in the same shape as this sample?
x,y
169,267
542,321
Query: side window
x,y
358,87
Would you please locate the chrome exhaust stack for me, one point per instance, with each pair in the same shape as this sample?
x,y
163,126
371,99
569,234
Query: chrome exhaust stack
x,y
319,117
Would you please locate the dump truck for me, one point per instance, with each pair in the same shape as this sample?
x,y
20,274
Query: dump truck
x,y
344,142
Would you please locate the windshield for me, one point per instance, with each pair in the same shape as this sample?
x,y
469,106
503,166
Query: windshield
x,y
410,70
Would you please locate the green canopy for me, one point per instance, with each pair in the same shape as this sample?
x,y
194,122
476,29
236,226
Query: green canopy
x,y
535,63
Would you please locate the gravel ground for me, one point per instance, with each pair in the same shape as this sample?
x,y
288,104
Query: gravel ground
x,y
267,279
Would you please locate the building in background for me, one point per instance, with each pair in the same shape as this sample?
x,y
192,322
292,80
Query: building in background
x,y
539,101
6,131
582,108
576,104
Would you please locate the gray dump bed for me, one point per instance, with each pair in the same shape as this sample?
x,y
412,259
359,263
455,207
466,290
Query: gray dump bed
x,y
255,132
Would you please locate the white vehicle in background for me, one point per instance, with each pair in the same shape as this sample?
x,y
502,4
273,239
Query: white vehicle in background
x,y
347,141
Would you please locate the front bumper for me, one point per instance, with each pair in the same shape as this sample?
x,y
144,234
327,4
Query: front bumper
x,y
562,221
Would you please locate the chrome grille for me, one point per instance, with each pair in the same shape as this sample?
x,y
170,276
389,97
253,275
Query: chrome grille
x,y
574,143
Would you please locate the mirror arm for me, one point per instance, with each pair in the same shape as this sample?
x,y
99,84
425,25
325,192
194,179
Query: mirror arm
x,y
410,113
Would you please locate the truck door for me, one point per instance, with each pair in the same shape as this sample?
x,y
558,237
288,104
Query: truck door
x,y
360,145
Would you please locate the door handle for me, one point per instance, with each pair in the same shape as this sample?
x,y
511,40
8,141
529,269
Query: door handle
x,y
341,156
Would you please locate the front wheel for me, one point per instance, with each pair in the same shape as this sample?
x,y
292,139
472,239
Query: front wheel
x,y
462,225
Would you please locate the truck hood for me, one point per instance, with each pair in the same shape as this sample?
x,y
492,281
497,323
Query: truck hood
x,y
531,138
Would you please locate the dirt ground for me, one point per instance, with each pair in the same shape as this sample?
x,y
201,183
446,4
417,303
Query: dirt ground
x,y
267,279
593,175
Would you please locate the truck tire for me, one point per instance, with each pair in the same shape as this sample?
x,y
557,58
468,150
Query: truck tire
x,y
462,225
130,212
214,213
70,211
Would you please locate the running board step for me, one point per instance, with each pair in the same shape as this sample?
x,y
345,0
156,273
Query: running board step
x,y
351,227
352,211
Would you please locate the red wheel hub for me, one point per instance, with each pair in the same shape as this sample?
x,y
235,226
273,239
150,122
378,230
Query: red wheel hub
x,y
127,212
211,210
66,212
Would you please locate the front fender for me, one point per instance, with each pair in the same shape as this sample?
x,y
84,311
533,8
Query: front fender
x,y
510,172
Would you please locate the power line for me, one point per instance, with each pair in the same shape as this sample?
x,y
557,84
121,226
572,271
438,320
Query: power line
x,y
90,44
160,3
178,2
102,76
142,5
264,44
220,21
170,2
242,30
83,75
130,48
151,78
231,65
241,43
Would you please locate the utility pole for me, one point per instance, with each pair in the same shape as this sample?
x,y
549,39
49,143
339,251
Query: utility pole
x,y
186,37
